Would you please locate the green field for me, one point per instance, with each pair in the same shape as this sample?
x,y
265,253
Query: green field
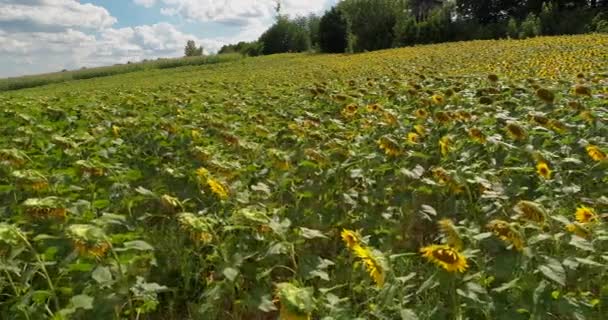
x,y
456,181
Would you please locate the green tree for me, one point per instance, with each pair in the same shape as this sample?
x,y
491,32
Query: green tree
x,y
333,32
191,50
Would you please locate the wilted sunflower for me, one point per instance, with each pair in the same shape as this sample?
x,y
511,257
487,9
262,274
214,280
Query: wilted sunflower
x,y
450,233
595,153
413,137
557,126
442,176
389,146
350,238
390,118
446,257
45,208
442,117
543,170
507,233
531,211
545,95
585,214
477,135
492,77
170,203
13,157
350,110
217,188
516,131
198,227
582,90
373,263
587,116
88,240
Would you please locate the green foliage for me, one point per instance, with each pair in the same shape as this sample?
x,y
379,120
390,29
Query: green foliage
x,y
531,27
333,32
285,36
513,28
191,50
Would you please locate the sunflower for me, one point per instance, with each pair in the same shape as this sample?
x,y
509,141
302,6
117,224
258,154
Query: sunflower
x,y
581,90
442,117
97,250
373,263
444,145
350,110
420,130
595,153
442,176
587,116
170,203
437,99
421,114
545,95
390,118
450,233
413,137
585,214
531,211
507,233
516,131
202,173
350,238
477,135
217,188
195,134
557,126
446,257
88,240
116,131
374,107
492,77
543,170
389,146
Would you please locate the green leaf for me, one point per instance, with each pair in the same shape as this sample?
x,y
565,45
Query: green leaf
x,y
554,271
82,301
138,245
266,304
589,262
506,286
230,273
102,275
581,243
312,233
407,314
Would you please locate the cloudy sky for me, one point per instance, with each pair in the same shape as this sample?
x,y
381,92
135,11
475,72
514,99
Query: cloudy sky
x,y
38,36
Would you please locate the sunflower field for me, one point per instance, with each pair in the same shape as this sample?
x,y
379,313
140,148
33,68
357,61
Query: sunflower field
x,y
454,181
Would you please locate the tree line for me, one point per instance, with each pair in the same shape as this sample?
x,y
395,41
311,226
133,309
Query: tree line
x,y
366,25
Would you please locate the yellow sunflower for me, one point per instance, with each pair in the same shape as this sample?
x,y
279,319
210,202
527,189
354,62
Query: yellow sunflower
x,y
585,215
350,238
477,135
531,211
444,145
217,188
390,147
421,114
437,99
372,262
420,130
413,137
446,257
515,131
543,170
595,153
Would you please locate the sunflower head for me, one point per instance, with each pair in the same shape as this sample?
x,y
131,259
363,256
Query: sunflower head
x,y
476,135
350,238
585,214
438,99
445,145
217,188
374,262
543,170
507,233
88,240
582,90
420,130
545,95
516,131
446,257
531,211
579,230
413,137
442,117
421,113
595,153
389,146
493,77
374,107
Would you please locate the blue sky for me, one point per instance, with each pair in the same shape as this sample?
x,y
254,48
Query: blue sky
x,y
39,36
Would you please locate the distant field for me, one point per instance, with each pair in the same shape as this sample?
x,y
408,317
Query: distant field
x,y
454,181
17,83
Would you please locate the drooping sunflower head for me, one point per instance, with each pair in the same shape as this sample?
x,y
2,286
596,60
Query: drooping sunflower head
x,y
374,107
516,131
445,145
442,117
198,227
88,240
13,157
351,238
438,99
218,188
170,203
507,233
441,175
477,135
450,233
389,146
45,208
531,211
545,95
446,257
582,90
374,262
493,77
585,214
557,126
595,153
543,170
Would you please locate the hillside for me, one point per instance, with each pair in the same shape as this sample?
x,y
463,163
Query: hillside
x,y
464,180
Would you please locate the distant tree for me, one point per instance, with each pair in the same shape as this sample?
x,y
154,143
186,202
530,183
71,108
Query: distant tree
x,y
333,32
191,50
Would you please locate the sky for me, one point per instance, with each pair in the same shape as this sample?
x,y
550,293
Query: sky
x,y
40,36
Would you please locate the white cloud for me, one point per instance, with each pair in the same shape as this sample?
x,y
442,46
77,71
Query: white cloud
x,y
44,15
237,12
145,3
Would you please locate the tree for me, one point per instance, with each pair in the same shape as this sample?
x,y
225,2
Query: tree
x,y
333,32
191,50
